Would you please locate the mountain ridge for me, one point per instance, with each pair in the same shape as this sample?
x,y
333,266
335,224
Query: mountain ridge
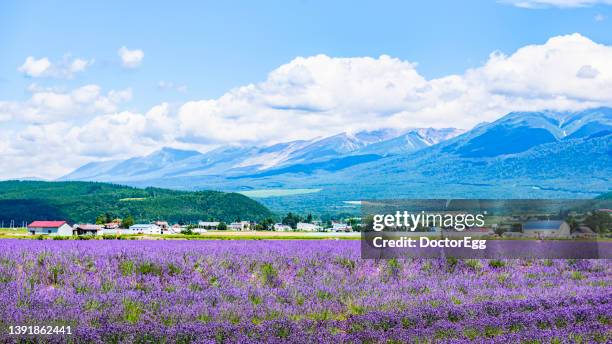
x,y
541,154
236,160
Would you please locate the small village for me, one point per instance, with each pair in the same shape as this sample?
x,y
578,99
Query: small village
x,y
575,226
118,227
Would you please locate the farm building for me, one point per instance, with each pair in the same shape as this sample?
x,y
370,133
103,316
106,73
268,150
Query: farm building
x,y
309,227
112,225
548,228
163,225
50,228
147,228
584,232
281,227
341,227
87,229
176,228
240,226
213,225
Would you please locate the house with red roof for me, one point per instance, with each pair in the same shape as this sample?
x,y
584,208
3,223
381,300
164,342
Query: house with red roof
x,y
50,228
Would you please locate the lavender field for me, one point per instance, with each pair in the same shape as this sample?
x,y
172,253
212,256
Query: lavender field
x,y
293,291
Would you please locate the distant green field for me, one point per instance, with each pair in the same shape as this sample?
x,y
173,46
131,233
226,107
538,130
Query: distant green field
x,y
6,233
13,230
277,192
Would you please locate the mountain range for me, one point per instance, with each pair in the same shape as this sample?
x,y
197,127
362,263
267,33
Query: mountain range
x,y
544,154
236,161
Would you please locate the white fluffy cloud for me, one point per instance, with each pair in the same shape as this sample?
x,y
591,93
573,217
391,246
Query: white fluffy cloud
x,y
123,134
61,146
35,68
310,97
556,3
43,67
169,85
130,58
49,105
321,95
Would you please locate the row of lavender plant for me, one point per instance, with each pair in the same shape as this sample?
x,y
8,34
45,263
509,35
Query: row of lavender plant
x,y
294,291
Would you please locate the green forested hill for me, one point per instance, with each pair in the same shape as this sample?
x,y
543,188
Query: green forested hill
x,y
84,201
607,195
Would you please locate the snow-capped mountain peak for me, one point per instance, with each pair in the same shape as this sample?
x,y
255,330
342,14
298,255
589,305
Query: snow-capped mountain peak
x,y
237,160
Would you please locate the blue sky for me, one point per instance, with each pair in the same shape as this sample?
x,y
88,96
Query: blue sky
x,y
84,81
213,46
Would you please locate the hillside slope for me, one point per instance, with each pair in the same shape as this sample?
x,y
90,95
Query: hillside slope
x,y
83,201
238,161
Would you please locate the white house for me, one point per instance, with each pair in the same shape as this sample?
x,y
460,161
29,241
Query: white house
x,y
148,228
163,225
176,228
50,228
281,227
341,227
240,226
308,227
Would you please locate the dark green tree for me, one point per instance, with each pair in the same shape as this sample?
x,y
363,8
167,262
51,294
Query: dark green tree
x,y
100,220
266,224
308,218
355,223
572,222
368,223
500,230
292,220
104,218
127,222
599,222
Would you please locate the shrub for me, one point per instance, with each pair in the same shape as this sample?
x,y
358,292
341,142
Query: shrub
x,y
346,262
268,274
147,268
473,264
55,271
126,267
131,311
393,267
174,269
577,276
496,263
451,263
188,231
